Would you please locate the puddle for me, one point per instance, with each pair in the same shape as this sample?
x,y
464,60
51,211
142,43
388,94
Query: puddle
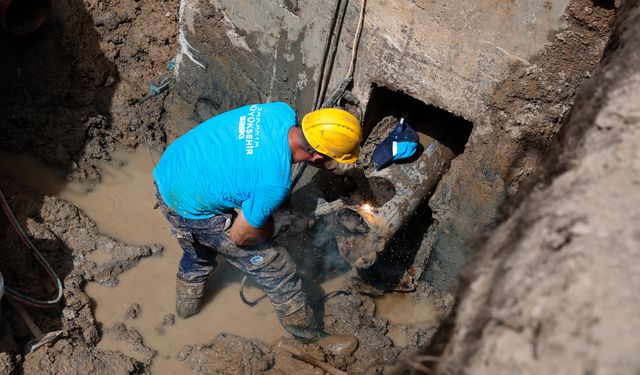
x,y
122,207
404,309
31,172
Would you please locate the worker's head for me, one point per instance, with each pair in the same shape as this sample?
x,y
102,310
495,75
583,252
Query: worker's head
x,y
333,132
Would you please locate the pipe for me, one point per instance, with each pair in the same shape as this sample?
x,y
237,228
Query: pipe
x,y
332,52
22,17
365,231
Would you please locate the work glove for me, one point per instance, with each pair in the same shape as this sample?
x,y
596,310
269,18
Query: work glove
x,y
290,223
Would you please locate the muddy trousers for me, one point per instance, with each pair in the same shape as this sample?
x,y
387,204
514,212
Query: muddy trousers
x,y
267,264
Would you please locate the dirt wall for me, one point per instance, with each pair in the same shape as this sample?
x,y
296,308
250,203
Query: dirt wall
x,y
526,112
71,91
554,289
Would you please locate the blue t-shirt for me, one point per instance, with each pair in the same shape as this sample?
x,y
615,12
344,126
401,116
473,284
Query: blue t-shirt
x,y
238,159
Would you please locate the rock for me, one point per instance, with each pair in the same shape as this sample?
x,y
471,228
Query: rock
x,y
228,354
133,311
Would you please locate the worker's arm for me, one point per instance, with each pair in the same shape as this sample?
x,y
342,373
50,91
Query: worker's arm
x,y
281,223
258,220
244,234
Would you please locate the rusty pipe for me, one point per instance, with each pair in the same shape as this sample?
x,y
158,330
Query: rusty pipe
x,y
22,17
364,231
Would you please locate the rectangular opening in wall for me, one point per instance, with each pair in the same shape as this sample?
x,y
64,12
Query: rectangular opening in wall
x,y
450,130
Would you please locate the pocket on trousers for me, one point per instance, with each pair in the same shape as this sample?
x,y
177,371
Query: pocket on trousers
x,y
213,226
181,233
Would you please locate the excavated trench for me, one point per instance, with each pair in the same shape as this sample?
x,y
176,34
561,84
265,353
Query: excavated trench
x,y
386,259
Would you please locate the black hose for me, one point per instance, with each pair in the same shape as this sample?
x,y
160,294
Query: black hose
x,y
244,299
332,51
313,304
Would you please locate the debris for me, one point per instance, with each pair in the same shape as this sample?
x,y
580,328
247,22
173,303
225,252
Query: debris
x,y
40,339
297,354
133,311
167,321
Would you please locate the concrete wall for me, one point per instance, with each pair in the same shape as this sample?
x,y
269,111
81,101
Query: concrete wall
x,y
450,54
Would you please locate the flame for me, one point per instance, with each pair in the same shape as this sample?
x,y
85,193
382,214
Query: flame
x,y
366,207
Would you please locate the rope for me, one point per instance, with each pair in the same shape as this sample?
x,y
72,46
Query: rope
x,y
14,294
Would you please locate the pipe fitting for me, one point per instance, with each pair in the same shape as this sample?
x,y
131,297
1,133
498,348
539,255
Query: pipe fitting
x,y
22,17
365,230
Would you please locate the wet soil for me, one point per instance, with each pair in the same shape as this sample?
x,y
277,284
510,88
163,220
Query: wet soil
x,y
554,289
528,109
133,310
78,81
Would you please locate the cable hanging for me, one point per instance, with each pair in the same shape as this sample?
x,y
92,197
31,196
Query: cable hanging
x,y
19,296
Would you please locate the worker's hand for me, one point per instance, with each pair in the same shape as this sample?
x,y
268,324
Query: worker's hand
x,y
290,223
337,168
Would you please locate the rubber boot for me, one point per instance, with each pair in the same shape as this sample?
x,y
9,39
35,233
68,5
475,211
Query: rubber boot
x,y
188,298
304,327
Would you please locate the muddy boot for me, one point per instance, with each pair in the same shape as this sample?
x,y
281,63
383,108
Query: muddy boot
x,y
188,298
306,329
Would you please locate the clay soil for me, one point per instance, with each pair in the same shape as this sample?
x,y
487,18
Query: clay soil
x,y
95,62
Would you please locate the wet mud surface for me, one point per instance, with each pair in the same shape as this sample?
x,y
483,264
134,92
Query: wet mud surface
x,y
67,238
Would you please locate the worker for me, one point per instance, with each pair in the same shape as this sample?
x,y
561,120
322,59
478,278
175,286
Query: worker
x,y
220,185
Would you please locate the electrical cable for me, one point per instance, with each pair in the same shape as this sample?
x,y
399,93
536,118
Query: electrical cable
x,y
298,169
19,296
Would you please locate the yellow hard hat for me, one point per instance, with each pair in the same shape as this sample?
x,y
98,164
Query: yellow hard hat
x,y
333,132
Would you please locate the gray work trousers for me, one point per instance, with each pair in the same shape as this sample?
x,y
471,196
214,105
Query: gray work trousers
x,y
267,264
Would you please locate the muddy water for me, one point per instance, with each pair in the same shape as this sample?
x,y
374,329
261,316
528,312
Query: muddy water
x,y
122,206
404,310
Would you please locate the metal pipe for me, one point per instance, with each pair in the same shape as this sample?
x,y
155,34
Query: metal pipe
x,y
365,231
22,17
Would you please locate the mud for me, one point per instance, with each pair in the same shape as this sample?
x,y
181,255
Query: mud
x,y
67,238
83,100
528,110
228,354
125,336
69,356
